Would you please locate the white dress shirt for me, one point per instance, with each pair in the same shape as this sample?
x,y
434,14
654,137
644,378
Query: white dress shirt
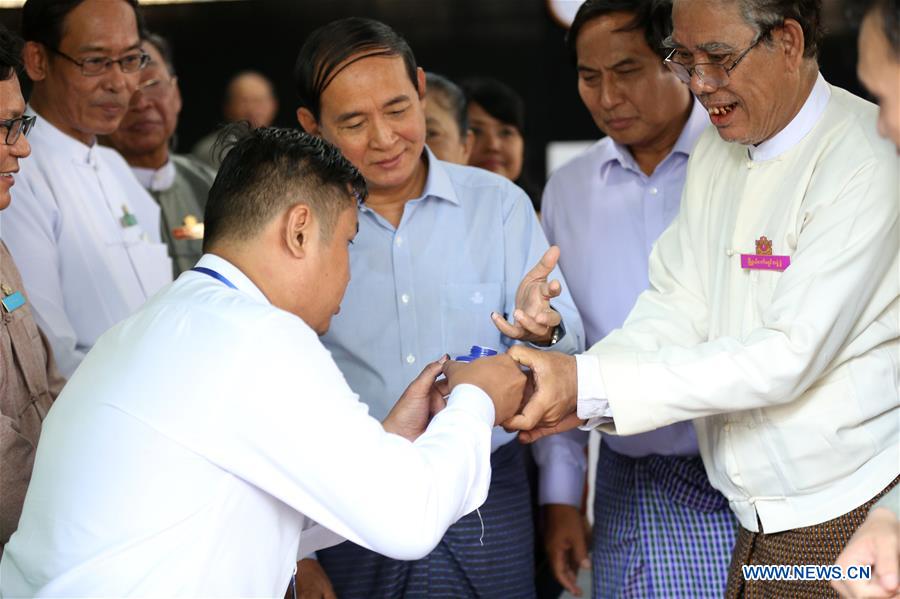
x,y
791,377
84,269
199,437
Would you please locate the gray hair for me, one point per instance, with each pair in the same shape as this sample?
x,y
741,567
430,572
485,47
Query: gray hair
x,y
765,15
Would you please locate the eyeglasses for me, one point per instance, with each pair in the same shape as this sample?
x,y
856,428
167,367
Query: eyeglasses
x,y
91,67
16,127
714,74
155,89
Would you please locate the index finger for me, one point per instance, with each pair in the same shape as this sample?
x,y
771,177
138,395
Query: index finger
x,y
545,265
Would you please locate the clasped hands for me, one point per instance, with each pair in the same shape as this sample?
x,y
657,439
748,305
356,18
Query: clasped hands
x,y
539,401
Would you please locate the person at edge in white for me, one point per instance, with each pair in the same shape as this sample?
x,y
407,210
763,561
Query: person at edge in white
x,y
208,440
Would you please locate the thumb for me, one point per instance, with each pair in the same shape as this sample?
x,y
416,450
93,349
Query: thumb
x,y
525,356
545,265
430,372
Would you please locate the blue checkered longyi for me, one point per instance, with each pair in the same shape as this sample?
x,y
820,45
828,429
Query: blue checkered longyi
x,y
660,529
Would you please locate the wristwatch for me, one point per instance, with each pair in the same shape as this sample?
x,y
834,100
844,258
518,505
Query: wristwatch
x,y
558,333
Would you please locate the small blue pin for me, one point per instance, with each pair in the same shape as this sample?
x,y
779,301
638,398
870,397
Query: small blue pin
x,y
12,300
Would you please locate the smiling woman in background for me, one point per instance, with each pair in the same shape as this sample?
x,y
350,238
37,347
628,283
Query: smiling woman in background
x,y
497,118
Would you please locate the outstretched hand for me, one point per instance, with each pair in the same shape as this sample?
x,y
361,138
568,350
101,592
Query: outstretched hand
x,y
534,319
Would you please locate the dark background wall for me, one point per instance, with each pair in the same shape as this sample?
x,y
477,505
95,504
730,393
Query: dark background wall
x,y
516,41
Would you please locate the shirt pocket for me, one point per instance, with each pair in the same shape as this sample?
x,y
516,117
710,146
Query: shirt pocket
x,y
466,316
149,260
803,436
762,288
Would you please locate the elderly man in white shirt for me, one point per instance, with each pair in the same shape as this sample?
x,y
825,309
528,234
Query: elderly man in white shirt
x,y
772,317
85,234
205,442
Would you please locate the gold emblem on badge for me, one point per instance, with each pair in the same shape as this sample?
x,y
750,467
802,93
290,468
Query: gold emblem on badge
x,y
763,246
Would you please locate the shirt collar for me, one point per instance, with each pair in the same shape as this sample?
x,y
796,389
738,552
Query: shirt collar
x,y
438,184
697,122
799,126
156,179
232,273
59,142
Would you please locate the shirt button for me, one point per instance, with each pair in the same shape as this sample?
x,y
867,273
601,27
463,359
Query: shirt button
x,y
727,428
729,252
399,241
404,298
410,359
653,191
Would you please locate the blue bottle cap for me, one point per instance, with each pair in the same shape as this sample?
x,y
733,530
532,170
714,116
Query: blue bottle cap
x,y
481,352
476,352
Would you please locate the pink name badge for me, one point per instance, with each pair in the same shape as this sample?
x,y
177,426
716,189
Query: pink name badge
x,y
763,258
756,262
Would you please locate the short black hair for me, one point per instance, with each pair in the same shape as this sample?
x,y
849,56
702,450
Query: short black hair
x,y
326,50
269,169
42,20
653,17
10,53
162,46
450,97
498,100
889,13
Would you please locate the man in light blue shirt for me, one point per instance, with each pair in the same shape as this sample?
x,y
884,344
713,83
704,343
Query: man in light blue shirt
x,y
660,529
443,253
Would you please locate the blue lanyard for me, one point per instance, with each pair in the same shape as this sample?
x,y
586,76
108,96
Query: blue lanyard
x,y
214,274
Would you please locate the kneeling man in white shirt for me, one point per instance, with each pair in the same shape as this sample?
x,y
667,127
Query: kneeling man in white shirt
x,y
208,440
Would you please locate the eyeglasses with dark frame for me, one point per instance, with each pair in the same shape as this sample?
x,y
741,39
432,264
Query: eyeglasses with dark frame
x,y
16,127
715,74
91,67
